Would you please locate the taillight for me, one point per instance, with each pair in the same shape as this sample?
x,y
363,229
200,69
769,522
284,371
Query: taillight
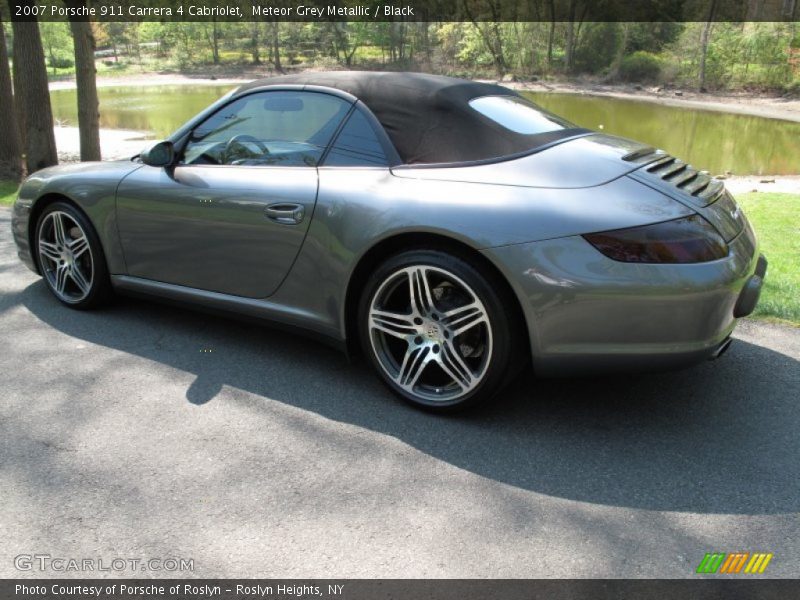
x,y
685,240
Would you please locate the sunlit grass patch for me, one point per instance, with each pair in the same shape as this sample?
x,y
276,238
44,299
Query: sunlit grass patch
x,y
776,220
8,192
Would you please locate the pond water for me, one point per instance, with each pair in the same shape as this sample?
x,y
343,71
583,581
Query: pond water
x,y
715,141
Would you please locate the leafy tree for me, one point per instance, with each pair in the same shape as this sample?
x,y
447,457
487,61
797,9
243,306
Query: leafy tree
x,y
653,37
491,34
598,47
57,44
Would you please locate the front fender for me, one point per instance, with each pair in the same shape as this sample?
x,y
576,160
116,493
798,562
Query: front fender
x,y
90,186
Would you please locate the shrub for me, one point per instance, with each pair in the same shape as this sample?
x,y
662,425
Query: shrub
x,y
597,48
640,66
59,62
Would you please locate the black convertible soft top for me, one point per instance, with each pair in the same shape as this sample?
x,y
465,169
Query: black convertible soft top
x,y
428,117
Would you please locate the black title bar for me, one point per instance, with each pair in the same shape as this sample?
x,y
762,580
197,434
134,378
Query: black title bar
x,y
406,10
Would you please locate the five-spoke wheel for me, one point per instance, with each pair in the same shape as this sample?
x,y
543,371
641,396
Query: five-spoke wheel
x,y
430,323
70,258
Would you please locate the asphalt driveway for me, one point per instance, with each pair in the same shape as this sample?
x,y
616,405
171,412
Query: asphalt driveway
x,y
149,431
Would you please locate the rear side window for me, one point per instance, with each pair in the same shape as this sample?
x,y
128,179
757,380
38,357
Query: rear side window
x,y
357,145
518,115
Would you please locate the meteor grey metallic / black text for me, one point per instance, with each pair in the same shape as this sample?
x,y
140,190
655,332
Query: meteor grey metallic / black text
x,y
450,230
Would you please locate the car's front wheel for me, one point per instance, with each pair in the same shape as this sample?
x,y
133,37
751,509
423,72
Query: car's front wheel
x,y
70,257
437,329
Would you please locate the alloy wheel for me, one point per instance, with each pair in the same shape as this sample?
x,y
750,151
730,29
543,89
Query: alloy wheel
x,y
430,333
66,258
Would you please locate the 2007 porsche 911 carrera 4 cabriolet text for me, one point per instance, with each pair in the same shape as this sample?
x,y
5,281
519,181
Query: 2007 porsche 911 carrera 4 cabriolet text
x,y
451,230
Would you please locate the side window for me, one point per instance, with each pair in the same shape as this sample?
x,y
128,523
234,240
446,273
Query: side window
x,y
357,145
267,128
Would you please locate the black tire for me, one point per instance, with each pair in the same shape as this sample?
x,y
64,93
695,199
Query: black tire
x,y
97,289
497,337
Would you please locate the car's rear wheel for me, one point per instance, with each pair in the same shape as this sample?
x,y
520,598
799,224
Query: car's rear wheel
x,y
70,257
436,330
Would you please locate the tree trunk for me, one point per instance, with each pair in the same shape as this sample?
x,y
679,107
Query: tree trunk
x,y
51,56
32,93
85,76
705,37
19,106
499,53
254,41
10,149
426,42
570,46
215,40
550,37
276,47
620,54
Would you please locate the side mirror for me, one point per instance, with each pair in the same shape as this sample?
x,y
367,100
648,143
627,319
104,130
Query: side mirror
x,y
159,154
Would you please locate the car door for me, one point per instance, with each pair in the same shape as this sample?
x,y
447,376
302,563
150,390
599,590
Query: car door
x,y
231,214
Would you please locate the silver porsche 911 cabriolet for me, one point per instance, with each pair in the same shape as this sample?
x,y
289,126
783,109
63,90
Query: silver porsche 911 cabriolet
x,y
450,230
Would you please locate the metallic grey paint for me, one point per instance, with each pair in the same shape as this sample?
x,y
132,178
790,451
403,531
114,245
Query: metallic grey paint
x,y
213,224
586,311
200,234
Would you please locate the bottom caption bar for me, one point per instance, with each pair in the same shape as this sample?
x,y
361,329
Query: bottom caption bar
x,y
396,589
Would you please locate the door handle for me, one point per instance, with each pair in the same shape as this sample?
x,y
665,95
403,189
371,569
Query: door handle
x,y
286,214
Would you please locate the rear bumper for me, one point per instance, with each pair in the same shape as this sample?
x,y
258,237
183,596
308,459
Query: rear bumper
x,y
588,313
748,297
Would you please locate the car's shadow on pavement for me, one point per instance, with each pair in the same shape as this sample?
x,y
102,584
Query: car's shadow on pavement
x,y
723,437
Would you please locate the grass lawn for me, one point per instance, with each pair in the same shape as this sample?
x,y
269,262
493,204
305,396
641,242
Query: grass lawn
x,y
776,219
8,193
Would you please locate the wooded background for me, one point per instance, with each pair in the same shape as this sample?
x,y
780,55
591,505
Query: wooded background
x,y
706,56
759,55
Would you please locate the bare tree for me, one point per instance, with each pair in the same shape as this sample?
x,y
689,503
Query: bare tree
x,y
33,97
10,150
86,79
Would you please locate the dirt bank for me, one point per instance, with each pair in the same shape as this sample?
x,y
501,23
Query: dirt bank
x,y
784,184
758,105
151,79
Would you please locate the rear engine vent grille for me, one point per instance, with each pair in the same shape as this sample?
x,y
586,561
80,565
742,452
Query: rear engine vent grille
x,y
676,172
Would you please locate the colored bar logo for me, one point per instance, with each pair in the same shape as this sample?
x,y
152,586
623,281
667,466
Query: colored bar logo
x,y
734,562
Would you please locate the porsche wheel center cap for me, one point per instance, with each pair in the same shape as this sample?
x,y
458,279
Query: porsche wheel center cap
x,y
433,331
